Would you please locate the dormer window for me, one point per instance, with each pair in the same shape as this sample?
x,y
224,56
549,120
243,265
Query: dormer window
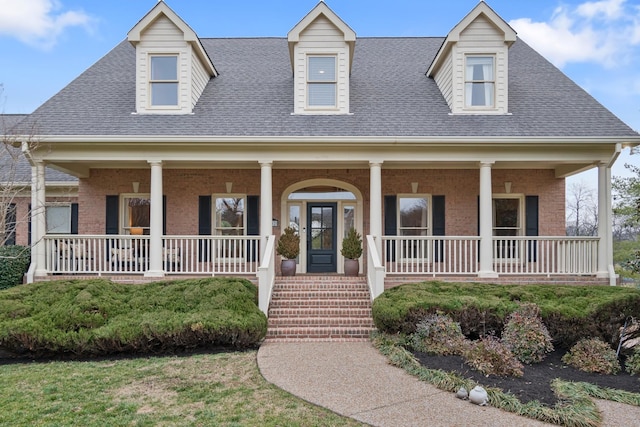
x,y
164,81
321,82
479,82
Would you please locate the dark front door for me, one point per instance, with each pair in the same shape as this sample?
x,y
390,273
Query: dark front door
x,y
321,238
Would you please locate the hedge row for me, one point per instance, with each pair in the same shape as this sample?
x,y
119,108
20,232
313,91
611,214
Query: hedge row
x,y
98,317
14,262
569,312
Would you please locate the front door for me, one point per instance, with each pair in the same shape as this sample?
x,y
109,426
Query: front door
x,y
321,237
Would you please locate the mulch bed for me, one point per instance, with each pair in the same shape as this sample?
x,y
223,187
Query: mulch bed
x,y
535,384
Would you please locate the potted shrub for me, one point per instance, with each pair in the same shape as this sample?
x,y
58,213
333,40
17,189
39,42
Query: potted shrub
x,y
351,251
288,247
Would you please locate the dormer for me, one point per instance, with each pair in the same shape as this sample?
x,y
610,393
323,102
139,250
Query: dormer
x,y
472,66
321,47
172,67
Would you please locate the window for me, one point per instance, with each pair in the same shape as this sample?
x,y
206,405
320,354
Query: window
x,y
136,213
230,216
164,80
507,223
479,81
58,218
10,225
413,215
506,217
321,81
413,221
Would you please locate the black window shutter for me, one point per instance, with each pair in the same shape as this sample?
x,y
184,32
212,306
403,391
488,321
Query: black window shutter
x,y
438,221
204,226
391,224
10,225
112,214
74,218
164,215
253,215
253,224
531,224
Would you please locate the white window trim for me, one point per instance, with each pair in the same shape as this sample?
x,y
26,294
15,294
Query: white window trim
x,y
57,204
124,228
218,251
466,106
150,82
310,82
400,254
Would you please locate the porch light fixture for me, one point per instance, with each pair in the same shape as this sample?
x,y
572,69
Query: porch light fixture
x,y
229,186
275,222
414,187
136,186
507,187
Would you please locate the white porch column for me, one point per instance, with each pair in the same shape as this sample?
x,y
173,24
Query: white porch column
x,y
38,218
602,221
155,222
486,222
612,272
266,205
375,203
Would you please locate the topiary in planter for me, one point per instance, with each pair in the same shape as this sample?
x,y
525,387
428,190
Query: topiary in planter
x,y
352,245
14,262
289,244
289,248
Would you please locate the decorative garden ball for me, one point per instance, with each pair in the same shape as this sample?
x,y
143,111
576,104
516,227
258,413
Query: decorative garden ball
x,y
478,395
462,394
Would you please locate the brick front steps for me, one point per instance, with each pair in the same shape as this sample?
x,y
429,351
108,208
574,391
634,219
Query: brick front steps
x,y
320,308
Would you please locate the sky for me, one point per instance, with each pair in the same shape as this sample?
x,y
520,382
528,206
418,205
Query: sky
x,y
45,44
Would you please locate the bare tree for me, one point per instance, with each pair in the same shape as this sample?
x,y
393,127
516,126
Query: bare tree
x,y
582,210
15,175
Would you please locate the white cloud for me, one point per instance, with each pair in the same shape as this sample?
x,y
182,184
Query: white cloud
x,y
611,9
38,22
604,32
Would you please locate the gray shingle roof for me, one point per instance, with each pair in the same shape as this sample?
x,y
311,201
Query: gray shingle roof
x,y
390,96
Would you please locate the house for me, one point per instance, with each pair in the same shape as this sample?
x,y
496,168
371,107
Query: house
x,y
61,206
449,154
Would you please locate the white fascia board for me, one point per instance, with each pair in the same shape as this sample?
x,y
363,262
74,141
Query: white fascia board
x,y
341,140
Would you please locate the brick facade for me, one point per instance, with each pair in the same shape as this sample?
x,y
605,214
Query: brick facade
x,y
460,188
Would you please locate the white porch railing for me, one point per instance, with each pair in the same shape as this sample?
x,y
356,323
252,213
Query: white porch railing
x,y
452,255
546,255
120,254
267,275
430,254
375,269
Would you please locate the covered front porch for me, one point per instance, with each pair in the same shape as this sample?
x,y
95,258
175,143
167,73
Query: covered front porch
x,y
421,213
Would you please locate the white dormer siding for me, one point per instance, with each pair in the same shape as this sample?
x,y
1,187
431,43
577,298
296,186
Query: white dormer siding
x,y
161,33
471,68
321,34
321,38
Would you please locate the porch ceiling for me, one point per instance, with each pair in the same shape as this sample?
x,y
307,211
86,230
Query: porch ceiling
x,y
82,169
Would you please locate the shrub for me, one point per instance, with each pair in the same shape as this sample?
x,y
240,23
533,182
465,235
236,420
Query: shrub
x,y
525,334
592,355
569,312
438,334
632,364
352,245
14,262
96,317
288,244
489,356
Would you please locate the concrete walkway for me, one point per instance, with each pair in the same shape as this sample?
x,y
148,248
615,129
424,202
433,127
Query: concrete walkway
x,y
355,380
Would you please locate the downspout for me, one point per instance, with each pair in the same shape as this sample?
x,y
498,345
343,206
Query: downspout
x,y
27,154
613,278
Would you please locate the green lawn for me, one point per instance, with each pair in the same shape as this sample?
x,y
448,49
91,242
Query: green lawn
x,y
224,389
